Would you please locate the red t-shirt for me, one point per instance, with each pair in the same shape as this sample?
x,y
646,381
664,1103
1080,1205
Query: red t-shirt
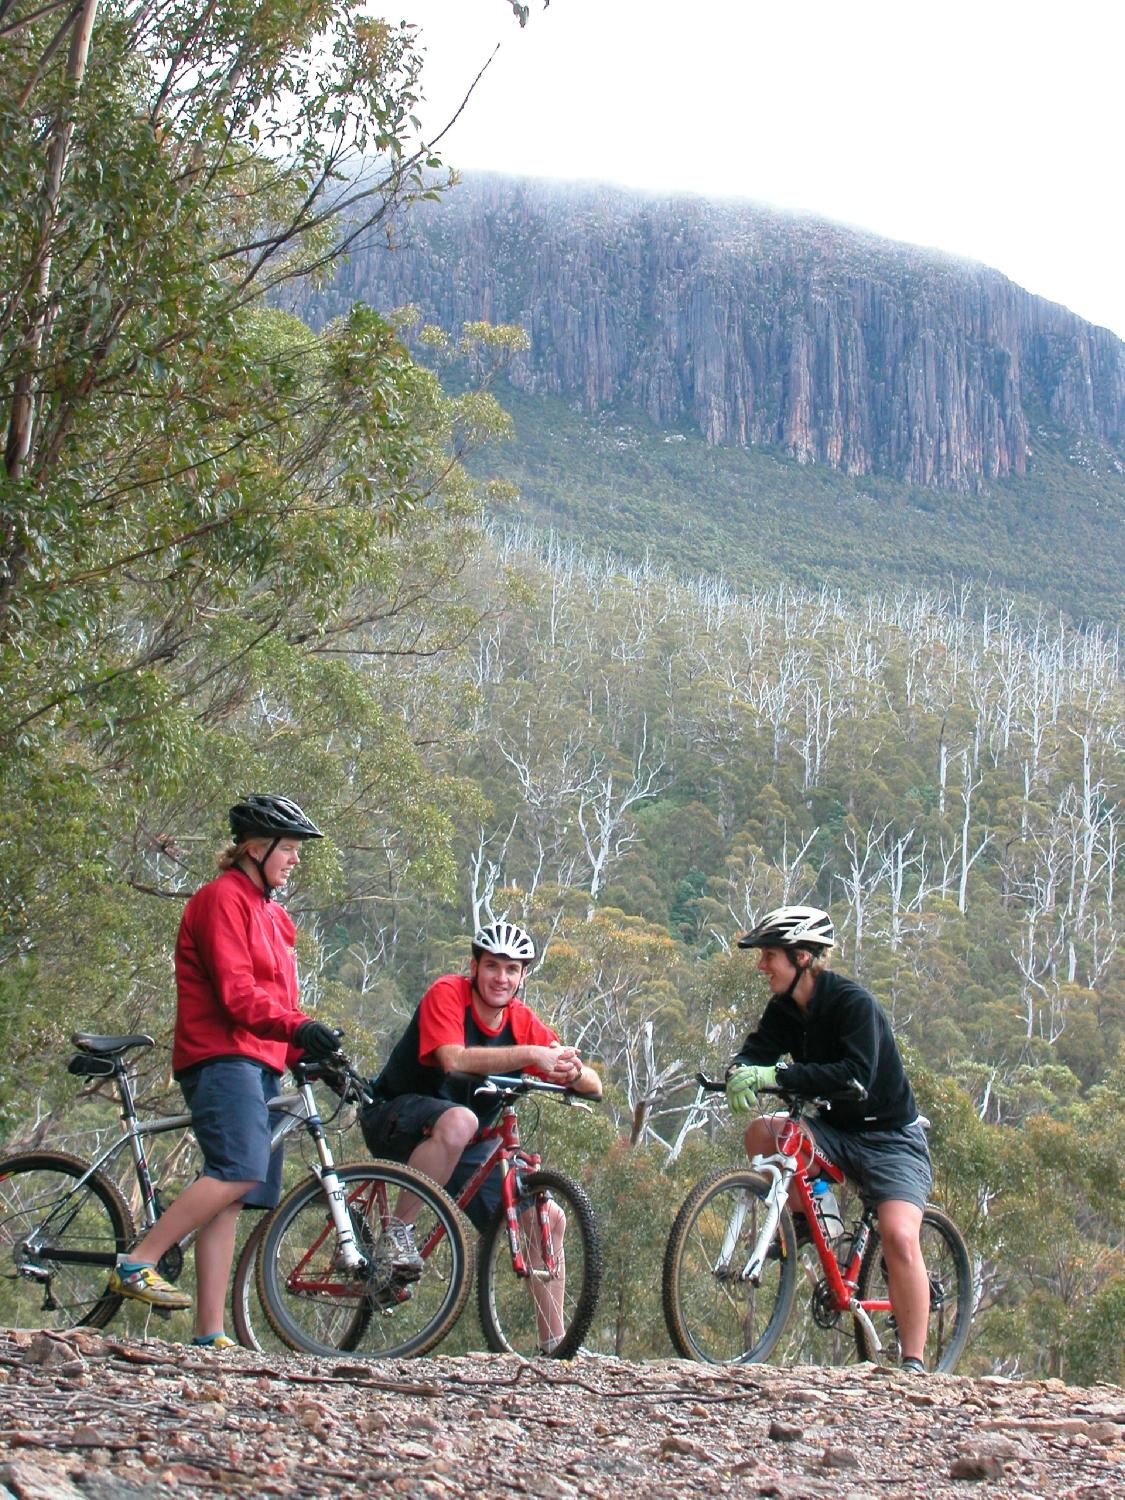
x,y
443,1020
236,977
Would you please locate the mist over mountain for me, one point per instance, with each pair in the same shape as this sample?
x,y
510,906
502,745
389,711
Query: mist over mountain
x,y
755,328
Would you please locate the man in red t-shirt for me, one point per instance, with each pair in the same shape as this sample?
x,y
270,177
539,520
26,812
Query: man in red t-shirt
x,y
476,1024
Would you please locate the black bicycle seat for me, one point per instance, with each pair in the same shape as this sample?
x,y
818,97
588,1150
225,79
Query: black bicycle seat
x,y
110,1046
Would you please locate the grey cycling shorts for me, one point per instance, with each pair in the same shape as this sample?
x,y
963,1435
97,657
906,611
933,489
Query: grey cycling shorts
x,y
886,1164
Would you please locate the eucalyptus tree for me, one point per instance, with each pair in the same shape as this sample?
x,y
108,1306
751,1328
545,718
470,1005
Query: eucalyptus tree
x,y
223,539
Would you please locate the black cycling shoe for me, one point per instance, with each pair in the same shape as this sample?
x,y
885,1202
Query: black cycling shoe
x,y
804,1237
912,1366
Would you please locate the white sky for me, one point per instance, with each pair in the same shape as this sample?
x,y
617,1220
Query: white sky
x,y
988,128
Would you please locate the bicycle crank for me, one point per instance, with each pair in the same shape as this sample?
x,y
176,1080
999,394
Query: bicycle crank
x,y
824,1310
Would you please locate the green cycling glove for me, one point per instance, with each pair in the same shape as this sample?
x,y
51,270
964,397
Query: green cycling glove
x,y
746,1080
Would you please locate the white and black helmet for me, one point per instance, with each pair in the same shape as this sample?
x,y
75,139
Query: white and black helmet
x,y
504,940
792,927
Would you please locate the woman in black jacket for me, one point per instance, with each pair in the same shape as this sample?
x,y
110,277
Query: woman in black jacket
x,y
837,1037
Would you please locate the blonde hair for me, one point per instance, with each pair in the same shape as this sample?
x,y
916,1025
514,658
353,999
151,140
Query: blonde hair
x,y
229,855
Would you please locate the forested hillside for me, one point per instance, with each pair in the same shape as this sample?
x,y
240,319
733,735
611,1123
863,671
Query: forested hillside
x,y
238,555
1053,540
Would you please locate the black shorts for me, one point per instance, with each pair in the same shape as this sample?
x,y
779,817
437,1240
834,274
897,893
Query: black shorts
x,y
392,1128
231,1122
887,1164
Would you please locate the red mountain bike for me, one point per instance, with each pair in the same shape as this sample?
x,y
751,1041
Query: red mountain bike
x,y
539,1261
539,1257
733,1266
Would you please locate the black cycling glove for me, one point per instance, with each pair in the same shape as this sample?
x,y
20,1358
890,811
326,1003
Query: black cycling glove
x,y
317,1040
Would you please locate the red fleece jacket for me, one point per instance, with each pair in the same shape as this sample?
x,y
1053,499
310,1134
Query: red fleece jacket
x,y
236,977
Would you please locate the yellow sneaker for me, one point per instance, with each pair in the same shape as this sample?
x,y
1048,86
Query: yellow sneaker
x,y
145,1284
214,1341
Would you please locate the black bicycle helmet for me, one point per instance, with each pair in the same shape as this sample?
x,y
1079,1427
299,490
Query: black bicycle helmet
x,y
263,816
792,927
505,940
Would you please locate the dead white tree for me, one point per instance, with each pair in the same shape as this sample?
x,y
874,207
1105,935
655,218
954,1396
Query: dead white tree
x,y
864,871
968,787
604,823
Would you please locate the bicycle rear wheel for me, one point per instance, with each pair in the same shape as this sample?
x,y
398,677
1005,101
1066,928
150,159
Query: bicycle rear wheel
x,y
58,1242
246,1314
713,1312
951,1295
548,1311
314,1305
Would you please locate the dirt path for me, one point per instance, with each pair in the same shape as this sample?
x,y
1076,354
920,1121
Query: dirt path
x,y
115,1419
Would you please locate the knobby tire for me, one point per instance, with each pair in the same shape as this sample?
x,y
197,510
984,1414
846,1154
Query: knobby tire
x,y
316,1307
951,1295
95,1219
512,1321
713,1313
245,1308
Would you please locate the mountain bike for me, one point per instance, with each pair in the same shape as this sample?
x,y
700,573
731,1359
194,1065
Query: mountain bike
x,y
540,1259
63,1221
733,1264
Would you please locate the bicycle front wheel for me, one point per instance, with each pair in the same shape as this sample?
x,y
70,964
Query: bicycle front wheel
x,y
547,1306
946,1258
315,1305
713,1312
58,1241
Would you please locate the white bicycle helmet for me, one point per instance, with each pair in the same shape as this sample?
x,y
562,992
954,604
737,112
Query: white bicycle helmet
x,y
792,927
504,940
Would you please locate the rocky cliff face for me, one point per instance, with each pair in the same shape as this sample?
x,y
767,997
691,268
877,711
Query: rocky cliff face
x,y
754,327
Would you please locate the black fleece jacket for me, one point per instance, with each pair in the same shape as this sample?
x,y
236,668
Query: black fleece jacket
x,y
844,1034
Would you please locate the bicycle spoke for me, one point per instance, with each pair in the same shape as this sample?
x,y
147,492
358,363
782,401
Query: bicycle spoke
x,y
951,1296
714,1313
545,1300
314,1302
48,1226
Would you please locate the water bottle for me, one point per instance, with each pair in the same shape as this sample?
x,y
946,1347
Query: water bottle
x,y
824,1200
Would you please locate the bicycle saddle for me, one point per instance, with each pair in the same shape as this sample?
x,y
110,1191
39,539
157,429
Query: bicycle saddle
x,y
110,1046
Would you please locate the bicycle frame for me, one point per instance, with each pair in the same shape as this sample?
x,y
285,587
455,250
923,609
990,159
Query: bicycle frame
x,y
348,1254
294,1109
133,1133
513,1159
789,1167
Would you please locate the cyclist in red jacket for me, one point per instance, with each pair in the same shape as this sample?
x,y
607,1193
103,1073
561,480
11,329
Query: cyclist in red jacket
x,y
836,1034
238,1025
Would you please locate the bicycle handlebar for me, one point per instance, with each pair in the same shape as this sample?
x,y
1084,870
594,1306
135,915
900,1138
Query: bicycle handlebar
x,y
337,1072
512,1085
855,1093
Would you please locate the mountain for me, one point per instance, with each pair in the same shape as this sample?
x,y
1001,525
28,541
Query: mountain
x,y
755,328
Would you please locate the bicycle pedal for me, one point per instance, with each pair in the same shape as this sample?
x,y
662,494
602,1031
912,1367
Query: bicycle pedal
x,y
391,1297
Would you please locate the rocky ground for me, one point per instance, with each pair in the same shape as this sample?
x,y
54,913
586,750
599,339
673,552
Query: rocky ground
x,y
84,1415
